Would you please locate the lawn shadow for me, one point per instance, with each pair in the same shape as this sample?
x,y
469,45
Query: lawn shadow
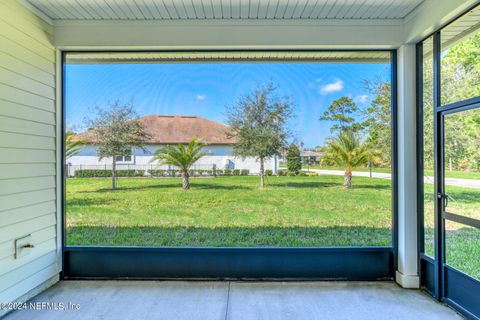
x,y
89,202
176,185
322,184
229,236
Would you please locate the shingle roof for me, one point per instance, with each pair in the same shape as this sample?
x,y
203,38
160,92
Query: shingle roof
x,y
176,130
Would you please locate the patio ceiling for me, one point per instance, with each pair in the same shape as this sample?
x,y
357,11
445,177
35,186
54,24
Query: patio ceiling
x,y
240,56
224,9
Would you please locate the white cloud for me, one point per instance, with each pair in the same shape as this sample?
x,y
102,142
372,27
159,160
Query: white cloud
x,y
332,87
315,83
362,98
201,96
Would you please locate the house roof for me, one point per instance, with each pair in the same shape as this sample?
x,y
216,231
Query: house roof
x,y
177,130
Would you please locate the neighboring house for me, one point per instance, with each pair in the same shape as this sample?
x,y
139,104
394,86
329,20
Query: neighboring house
x,y
171,130
311,157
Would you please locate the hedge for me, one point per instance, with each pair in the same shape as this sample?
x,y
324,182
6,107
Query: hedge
x,y
244,172
89,173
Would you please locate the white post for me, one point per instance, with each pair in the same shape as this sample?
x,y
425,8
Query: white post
x,y
407,273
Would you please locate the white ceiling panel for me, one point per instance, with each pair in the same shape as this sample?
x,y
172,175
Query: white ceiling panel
x,y
224,9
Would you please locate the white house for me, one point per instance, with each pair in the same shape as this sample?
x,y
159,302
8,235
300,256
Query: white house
x,y
171,130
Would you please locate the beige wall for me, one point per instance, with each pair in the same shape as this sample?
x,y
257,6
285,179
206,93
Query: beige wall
x,y
27,151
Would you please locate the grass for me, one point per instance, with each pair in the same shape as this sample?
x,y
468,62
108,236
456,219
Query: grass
x,y
232,211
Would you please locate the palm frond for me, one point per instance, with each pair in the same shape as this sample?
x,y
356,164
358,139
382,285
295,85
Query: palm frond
x,y
347,150
180,156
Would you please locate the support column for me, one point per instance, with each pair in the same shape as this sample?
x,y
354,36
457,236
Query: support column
x,y
407,273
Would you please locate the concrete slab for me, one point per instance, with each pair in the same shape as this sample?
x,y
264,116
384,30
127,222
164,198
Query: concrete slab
x,y
332,300
172,300
178,300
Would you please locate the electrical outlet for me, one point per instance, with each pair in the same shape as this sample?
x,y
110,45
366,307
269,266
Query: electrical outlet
x,y
23,246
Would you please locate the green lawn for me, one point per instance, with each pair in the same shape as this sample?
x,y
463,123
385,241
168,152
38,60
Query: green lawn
x,y
232,211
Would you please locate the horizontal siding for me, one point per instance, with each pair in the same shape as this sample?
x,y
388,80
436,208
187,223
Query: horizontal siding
x,y
27,145
26,141
26,55
18,200
9,263
21,185
7,248
26,69
8,124
32,274
25,20
26,156
16,80
18,111
14,216
9,171
23,97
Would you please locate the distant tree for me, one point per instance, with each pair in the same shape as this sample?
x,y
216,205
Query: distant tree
x,y
259,124
341,112
116,132
182,157
294,159
349,151
377,124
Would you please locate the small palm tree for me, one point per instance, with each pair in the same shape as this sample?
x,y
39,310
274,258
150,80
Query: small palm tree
x,y
182,157
72,147
349,151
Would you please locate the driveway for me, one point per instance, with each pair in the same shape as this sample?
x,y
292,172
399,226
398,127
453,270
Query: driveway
x,y
466,183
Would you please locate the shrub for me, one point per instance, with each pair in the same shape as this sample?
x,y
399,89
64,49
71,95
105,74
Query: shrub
x,y
268,172
173,172
294,161
157,172
291,173
282,173
227,172
201,172
208,172
88,173
313,174
219,172
244,172
236,172
302,173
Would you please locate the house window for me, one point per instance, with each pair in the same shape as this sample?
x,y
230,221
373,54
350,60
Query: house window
x,y
124,159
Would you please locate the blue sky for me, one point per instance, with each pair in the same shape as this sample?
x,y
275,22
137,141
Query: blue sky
x,y
205,89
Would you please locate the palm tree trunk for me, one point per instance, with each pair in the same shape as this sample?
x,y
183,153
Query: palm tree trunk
x,y
114,176
347,179
185,180
262,174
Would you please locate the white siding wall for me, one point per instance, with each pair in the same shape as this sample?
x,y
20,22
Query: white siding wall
x,y
220,155
27,151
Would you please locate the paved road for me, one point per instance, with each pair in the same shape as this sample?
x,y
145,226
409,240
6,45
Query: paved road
x,y
466,183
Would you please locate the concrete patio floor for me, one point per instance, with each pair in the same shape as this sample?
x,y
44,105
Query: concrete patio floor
x,y
179,300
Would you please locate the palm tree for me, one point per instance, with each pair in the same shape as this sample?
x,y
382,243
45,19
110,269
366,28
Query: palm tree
x,y
349,151
182,157
72,147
